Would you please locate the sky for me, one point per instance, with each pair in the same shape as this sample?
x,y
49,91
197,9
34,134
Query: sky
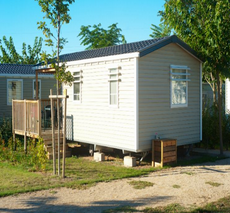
x,y
18,19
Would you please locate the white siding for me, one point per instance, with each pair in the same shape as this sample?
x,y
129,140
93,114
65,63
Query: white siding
x,y
94,121
227,96
155,113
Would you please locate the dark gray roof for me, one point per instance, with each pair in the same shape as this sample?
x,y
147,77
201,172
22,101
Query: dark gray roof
x,y
143,47
17,69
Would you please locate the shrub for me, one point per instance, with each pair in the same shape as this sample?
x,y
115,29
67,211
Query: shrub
x,y
5,129
210,128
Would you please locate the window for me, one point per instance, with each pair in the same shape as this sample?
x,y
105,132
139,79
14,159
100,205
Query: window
x,y
77,86
113,86
14,90
179,86
34,89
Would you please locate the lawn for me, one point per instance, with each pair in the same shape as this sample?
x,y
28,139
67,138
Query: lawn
x,y
80,173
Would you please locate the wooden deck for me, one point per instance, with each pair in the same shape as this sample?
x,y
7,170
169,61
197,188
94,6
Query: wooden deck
x,y
31,118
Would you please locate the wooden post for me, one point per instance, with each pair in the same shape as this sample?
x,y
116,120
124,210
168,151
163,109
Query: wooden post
x,y
36,85
25,122
39,117
53,134
162,153
64,133
153,160
13,126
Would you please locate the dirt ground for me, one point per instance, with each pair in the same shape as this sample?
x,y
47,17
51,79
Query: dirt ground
x,y
191,189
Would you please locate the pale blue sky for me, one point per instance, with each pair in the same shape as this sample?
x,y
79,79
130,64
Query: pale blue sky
x,y
18,18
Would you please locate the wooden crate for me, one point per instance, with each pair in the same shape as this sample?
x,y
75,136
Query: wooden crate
x,y
164,151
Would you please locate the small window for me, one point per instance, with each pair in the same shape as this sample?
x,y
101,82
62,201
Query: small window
x,y
14,90
77,86
113,86
34,89
179,86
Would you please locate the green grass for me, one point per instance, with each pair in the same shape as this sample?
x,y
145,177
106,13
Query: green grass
x,y
140,184
176,186
80,173
214,184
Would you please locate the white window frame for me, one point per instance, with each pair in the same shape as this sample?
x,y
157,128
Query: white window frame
x,y
117,79
34,88
80,85
21,80
175,67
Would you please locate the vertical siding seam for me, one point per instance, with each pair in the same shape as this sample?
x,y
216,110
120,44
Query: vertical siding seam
x,y
200,100
136,76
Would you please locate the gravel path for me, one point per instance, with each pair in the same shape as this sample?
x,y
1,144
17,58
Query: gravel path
x,y
191,182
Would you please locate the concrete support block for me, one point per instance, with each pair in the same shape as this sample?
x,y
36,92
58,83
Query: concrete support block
x,y
98,156
129,161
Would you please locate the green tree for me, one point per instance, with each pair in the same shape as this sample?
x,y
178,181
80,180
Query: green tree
x,y
205,26
160,31
30,55
99,37
57,12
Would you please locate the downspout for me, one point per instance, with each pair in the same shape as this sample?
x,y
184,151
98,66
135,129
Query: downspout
x,y
200,101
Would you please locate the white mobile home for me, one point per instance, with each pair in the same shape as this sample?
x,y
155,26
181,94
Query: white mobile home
x,y
123,95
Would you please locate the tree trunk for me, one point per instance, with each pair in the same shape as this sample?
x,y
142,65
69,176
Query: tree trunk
x,y
58,92
220,111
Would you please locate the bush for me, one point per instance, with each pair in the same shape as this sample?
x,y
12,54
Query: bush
x,y
5,128
210,128
34,160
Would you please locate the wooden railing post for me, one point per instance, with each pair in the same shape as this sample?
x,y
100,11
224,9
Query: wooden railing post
x,y
53,133
64,133
13,126
39,117
25,124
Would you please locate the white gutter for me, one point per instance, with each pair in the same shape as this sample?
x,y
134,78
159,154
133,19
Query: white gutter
x,y
26,76
200,100
105,58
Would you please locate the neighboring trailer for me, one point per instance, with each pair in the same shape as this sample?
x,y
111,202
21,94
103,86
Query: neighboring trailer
x,y
123,95
18,82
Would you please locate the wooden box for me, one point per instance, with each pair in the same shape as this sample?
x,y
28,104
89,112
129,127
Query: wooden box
x,y
164,151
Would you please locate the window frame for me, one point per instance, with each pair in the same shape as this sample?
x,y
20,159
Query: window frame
x,y
117,79
186,79
80,85
20,80
34,88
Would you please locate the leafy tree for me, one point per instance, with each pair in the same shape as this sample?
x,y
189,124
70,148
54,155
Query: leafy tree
x,y
160,31
56,11
205,26
30,55
99,37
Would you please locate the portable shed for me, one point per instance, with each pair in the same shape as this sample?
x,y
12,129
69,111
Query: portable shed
x,y
124,95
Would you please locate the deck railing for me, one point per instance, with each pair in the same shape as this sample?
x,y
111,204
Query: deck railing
x,y
30,117
26,117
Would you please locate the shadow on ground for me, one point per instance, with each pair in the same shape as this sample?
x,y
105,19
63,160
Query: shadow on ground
x,y
47,205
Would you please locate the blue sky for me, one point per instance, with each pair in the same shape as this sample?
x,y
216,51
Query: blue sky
x,y
18,18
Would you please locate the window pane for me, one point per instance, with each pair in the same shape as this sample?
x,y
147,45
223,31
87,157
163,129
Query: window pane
x,y
76,88
178,92
14,90
179,77
39,92
76,78
113,99
179,70
76,73
113,87
113,71
113,76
